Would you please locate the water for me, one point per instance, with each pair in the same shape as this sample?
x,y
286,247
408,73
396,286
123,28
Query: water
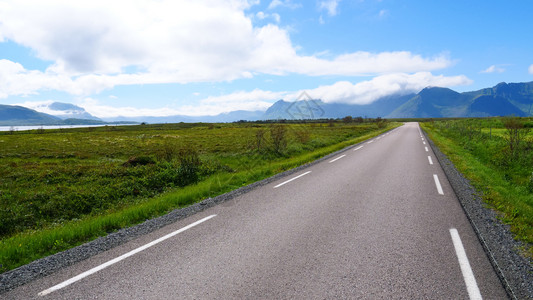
x,y
23,128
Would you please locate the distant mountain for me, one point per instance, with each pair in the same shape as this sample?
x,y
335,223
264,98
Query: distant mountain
x,y
317,109
502,100
432,102
234,116
518,94
11,115
17,115
487,105
66,111
221,118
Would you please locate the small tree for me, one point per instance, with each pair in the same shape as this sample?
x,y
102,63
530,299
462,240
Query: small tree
x,y
190,164
278,135
259,138
347,119
381,123
516,133
302,135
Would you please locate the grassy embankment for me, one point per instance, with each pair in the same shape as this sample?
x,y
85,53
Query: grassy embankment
x,y
496,155
61,188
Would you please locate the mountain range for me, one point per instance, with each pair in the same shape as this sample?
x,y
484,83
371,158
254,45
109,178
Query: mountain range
x,y
432,102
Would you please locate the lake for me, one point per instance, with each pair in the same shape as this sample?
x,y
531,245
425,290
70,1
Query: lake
x,y
23,128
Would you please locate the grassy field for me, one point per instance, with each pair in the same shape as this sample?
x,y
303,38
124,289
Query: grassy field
x,y
496,155
61,188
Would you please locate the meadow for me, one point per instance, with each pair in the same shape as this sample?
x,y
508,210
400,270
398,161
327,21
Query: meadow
x,y
496,155
61,188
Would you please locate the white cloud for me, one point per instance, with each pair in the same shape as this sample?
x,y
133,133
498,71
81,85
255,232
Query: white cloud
x,y
283,3
493,69
92,44
364,92
41,106
365,63
383,13
531,69
261,16
330,6
16,80
381,86
251,101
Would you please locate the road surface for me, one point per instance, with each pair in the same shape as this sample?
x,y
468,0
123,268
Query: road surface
x,y
378,221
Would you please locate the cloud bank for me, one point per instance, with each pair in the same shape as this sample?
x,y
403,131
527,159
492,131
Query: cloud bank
x,y
340,92
97,45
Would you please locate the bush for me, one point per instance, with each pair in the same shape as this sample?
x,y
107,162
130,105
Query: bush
x,y
516,134
139,161
167,151
189,166
259,139
347,119
302,135
278,136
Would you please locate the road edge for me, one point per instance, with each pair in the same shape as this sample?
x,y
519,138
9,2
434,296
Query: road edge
x,y
514,270
50,264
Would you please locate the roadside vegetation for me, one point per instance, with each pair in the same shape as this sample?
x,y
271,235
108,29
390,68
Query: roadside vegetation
x,y
62,188
496,155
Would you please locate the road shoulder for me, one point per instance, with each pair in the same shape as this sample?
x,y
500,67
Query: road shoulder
x,y
515,271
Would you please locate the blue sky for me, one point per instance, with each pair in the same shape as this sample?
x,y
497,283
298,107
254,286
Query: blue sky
x,y
168,57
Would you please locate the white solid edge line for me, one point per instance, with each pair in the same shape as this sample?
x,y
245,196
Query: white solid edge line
x,y
430,160
292,179
426,149
122,257
437,183
357,148
337,158
468,274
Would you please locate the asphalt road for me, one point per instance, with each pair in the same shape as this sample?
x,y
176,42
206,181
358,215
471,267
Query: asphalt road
x,y
371,223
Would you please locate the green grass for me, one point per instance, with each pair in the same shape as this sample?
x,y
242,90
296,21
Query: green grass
x,y
63,188
480,150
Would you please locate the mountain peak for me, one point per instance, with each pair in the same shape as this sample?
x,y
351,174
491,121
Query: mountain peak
x,y
438,92
66,111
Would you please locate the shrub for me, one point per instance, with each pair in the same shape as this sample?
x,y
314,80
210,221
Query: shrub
x,y
347,119
381,123
259,139
167,151
139,161
278,136
189,165
302,135
516,133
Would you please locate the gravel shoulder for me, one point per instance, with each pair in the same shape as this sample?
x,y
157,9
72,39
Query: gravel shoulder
x,y
514,270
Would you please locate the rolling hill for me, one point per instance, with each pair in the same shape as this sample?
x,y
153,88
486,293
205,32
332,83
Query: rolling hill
x,y
17,115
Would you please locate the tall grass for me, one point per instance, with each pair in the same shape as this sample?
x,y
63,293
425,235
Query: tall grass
x,y
498,166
